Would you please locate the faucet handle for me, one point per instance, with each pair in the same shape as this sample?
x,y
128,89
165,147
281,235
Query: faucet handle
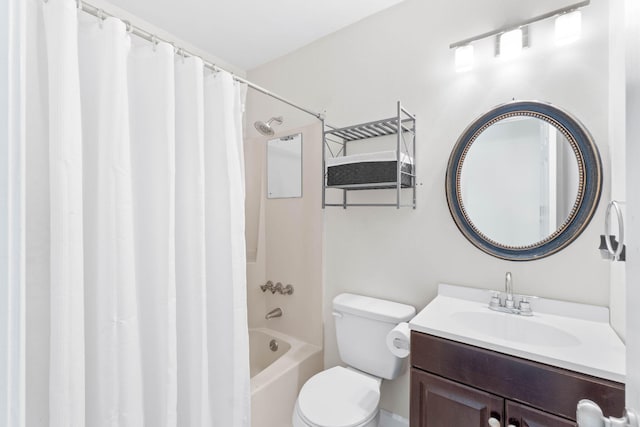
x,y
267,286
277,288
525,305
495,299
509,302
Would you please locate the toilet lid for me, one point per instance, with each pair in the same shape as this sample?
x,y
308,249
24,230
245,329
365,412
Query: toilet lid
x,y
339,397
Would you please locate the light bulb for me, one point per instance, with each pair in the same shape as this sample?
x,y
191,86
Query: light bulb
x,y
511,43
464,58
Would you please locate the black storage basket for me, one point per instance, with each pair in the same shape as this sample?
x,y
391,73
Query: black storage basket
x,y
368,175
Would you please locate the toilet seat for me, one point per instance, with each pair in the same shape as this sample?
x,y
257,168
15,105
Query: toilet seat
x,y
339,397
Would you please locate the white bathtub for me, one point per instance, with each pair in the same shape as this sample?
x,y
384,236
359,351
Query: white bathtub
x,y
277,376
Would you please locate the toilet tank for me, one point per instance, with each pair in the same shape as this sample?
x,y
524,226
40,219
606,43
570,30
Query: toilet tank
x,y
362,324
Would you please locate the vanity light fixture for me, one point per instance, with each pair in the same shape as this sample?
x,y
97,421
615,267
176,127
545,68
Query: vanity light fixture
x,y
568,19
568,27
510,43
464,58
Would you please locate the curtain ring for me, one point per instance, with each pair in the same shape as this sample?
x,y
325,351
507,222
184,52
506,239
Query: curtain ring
x,y
79,4
101,16
128,26
181,54
154,41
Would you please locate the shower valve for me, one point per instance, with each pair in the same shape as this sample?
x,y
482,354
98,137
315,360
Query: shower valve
x,y
278,287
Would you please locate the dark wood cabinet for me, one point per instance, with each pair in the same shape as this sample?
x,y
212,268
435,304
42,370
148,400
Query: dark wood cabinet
x,y
455,384
518,415
446,403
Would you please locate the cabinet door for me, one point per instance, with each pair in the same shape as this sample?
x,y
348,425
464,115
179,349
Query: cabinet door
x,y
523,416
437,402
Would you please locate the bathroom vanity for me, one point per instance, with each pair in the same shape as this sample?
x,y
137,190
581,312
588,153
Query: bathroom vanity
x,y
474,367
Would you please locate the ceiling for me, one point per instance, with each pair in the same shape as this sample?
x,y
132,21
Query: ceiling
x,y
248,33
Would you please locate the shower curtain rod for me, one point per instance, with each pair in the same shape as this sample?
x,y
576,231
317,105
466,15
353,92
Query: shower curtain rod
x,y
144,34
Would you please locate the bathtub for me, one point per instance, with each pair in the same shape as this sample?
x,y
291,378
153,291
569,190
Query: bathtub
x,y
279,365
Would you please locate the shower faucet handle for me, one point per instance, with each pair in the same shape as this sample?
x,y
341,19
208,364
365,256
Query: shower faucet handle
x,y
267,287
278,287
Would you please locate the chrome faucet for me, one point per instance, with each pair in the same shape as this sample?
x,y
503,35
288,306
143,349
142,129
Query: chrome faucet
x,y
276,312
523,307
508,289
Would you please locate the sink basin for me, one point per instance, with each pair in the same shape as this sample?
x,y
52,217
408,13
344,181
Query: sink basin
x,y
510,327
573,336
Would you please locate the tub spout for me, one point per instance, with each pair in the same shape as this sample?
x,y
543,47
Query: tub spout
x,y
276,312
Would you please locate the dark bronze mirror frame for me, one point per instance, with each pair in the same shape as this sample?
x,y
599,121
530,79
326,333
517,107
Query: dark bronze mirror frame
x,y
589,186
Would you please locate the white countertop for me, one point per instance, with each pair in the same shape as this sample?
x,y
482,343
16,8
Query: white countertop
x,y
572,336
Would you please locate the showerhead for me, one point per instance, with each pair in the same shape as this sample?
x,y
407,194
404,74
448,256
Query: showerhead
x,y
265,127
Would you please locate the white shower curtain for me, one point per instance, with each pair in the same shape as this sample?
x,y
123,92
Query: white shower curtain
x,y
148,323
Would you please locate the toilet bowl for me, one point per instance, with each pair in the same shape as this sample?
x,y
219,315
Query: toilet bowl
x,y
338,397
350,396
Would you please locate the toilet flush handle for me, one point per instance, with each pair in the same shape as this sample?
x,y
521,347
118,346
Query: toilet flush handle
x,y
337,315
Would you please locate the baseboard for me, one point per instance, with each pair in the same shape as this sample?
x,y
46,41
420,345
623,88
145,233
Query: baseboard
x,y
389,419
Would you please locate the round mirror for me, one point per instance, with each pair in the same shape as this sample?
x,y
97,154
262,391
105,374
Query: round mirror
x,y
523,180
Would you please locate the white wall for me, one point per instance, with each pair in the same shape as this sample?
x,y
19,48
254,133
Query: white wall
x,y
617,138
632,52
402,54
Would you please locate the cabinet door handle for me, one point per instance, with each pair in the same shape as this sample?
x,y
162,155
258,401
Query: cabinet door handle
x,y
494,422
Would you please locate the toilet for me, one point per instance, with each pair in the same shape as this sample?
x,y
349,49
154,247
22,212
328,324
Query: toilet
x,y
350,396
